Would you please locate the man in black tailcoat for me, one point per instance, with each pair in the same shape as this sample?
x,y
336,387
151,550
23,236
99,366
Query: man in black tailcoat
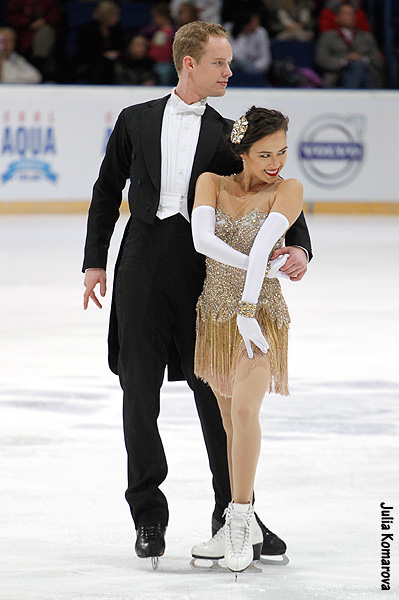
x,y
162,146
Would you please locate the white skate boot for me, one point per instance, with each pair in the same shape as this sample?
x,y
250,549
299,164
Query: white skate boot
x,y
239,526
214,548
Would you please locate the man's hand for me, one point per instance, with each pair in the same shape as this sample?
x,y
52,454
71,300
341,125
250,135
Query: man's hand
x,y
92,278
297,264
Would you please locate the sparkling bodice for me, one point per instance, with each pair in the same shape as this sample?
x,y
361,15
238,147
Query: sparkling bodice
x,y
224,284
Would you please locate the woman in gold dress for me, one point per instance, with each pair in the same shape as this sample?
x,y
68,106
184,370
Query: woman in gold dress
x,y
242,317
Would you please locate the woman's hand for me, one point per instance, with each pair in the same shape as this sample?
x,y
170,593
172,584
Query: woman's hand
x,y
251,332
275,267
297,264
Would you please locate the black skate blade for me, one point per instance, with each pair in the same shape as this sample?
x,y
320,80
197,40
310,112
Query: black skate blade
x,y
280,560
213,565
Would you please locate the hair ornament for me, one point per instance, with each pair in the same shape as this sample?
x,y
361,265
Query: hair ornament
x,y
239,130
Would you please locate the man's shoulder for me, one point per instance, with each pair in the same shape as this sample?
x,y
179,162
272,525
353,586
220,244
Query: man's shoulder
x,y
216,115
141,106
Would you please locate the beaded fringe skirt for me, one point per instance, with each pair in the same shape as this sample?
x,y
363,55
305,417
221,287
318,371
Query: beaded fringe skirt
x,y
220,348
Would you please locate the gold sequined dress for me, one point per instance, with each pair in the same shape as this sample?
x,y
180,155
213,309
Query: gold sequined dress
x,y
219,345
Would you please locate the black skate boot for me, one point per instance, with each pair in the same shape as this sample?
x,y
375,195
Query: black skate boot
x,y
272,544
150,542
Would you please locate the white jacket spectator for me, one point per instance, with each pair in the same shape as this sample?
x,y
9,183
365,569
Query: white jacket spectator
x,y
14,68
251,47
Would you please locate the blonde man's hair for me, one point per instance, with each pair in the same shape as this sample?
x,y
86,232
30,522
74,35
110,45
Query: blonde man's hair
x,y
191,40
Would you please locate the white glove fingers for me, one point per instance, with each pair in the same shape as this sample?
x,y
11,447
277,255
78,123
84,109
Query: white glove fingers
x,y
280,261
261,343
275,266
248,347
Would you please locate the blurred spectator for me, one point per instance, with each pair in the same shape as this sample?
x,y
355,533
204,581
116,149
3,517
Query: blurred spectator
x,y
14,68
250,43
348,57
231,7
208,10
291,19
285,73
36,23
187,14
135,67
161,33
318,6
99,44
328,16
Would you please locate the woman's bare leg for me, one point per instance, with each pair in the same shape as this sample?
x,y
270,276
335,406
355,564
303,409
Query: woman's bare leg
x,y
251,383
224,403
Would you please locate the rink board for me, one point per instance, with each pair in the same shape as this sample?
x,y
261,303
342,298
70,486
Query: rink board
x,y
342,145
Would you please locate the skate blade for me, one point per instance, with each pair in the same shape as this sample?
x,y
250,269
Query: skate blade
x,y
208,565
280,560
154,562
252,568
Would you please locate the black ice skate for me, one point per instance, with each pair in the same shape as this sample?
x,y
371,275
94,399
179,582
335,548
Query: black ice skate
x,y
272,546
150,542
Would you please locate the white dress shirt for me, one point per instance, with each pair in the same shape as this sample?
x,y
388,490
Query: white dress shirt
x,y
179,138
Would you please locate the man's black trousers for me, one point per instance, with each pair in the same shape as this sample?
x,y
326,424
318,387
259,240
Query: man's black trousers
x,y
158,281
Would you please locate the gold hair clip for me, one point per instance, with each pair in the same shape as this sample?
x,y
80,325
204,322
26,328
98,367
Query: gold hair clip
x,y
239,130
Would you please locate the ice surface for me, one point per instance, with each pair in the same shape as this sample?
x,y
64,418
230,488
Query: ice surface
x,y
329,453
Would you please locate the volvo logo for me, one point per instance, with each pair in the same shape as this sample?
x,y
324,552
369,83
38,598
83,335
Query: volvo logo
x,y
331,149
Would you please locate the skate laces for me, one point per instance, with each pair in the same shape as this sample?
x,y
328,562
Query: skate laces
x,y
238,530
151,532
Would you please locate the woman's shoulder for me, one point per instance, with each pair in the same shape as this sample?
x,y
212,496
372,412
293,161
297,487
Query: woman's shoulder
x,y
211,179
288,199
290,188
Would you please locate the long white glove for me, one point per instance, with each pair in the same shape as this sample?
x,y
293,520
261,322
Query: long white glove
x,y
272,229
203,221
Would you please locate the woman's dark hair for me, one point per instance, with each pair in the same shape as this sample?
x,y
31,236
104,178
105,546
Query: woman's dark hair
x,y
261,122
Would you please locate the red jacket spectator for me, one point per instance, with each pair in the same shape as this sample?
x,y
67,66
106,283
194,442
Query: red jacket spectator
x,y
161,44
160,34
328,20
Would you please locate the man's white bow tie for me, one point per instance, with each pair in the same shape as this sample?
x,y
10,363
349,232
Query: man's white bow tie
x,y
195,109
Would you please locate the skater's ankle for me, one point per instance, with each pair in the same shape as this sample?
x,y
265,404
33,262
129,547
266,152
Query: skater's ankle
x,y
241,507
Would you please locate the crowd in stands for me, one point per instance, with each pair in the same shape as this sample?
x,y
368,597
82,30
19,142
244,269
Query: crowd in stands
x,y
283,43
